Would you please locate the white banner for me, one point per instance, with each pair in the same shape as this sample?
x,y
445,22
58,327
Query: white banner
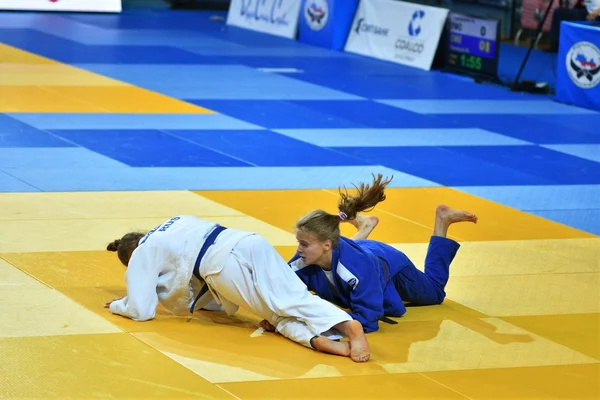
x,y
62,5
396,31
276,17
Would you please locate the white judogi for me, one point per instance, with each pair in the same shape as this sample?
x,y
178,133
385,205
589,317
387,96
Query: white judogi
x,y
242,270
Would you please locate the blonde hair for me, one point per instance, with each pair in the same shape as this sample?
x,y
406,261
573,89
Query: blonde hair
x,y
325,226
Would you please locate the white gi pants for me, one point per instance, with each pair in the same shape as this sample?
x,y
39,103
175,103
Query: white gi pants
x,y
256,277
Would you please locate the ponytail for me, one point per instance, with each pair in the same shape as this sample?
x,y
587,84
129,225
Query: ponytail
x,y
366,198
325,226
125,246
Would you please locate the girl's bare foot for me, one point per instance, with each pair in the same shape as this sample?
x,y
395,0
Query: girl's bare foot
x,y
359,346
446,216
364,224
326,345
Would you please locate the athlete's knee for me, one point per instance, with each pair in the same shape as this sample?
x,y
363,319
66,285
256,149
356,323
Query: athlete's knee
x,y
441,296
432,299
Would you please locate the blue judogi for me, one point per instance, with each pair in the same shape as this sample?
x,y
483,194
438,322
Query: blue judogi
x,y
373,279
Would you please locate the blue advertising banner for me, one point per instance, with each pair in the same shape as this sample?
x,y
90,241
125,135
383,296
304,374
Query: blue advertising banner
x,y
578,66
326,23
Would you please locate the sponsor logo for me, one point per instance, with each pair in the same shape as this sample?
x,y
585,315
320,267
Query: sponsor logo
x,y
364,27
414,26
410,46
583,64
271,14
316,14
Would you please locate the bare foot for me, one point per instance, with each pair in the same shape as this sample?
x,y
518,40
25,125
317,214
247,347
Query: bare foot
x,y
359,347
446,216
364,224
326,345
452,216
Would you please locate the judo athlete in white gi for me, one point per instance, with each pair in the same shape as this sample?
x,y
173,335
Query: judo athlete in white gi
x,y
370,278
185,263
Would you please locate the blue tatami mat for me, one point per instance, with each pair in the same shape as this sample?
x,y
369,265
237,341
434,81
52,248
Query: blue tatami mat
x,y
400,137
267,149
544,107
231,178
552,197
9,183
72,157
531,128
586,220
445,166
429,85
149,148
217,82
551,165
235,51
153,20
372,114
131,121
68,51
14,133
287,115
586,123
275,114
587,151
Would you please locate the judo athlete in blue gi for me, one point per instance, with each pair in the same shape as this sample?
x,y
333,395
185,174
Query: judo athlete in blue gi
x,y
370,278
186,262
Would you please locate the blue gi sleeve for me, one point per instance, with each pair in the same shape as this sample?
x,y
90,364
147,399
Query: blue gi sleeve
x,y
366,298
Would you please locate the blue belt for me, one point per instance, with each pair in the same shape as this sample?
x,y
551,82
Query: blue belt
x,y
207,243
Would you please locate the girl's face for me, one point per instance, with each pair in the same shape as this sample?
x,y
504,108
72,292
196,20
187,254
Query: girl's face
x,y
311,249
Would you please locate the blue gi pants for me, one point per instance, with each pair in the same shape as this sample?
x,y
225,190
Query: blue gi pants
x,y
423,289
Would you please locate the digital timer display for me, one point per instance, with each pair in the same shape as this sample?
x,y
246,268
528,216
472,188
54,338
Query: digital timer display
x,y
472,45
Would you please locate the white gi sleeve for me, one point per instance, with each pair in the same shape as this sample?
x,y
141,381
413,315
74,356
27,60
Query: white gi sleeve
x,y
141,279
295,330
299,332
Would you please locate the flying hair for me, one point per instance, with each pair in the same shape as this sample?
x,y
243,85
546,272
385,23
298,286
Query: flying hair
x,y
325,226
366,198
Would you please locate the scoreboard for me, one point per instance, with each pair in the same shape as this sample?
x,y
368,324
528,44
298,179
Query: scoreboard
x,y
472,45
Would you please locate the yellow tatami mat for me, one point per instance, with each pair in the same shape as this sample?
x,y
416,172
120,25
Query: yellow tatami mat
x,y
96,366
51,75
13,55
515,295
30,308
579,332
556,382
407,215
521,320
89,221
534,277
90,99
127,99
52,347
108,205
30,83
